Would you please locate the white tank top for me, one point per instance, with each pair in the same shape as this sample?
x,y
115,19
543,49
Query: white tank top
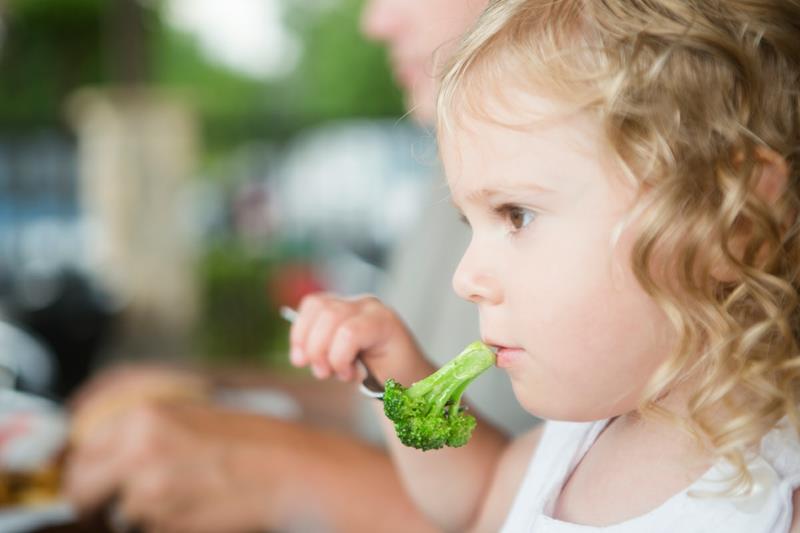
x,y
767,509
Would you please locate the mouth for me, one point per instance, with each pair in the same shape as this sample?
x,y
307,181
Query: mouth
x,y
506,356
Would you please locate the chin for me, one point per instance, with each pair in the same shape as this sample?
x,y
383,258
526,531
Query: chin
x,y
552,408
421,105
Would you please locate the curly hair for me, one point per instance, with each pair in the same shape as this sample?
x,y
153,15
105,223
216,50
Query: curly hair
x,y
691,95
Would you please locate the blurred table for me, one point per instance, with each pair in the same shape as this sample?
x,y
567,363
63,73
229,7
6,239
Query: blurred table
x,y
328,404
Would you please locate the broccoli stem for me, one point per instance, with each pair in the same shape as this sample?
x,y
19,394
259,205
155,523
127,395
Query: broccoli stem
x,y
447,385
455,403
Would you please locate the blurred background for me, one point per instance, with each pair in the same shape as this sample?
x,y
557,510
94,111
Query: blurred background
x,y
172,171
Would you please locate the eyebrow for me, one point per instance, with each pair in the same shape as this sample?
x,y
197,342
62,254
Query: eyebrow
x,y
488,193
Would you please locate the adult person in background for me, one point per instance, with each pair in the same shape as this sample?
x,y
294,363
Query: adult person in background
x,y
186,465
420,35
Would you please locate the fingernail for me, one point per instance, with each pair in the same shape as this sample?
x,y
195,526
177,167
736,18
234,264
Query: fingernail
x,y
319,372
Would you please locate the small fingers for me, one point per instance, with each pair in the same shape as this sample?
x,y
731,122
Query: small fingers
x,y
319,316
358,335
345,348
322,335
330,333
307,314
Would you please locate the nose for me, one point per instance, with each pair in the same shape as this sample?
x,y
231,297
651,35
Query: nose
x,y
380,20
475,279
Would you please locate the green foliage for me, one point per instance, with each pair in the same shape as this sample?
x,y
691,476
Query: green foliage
x,y
50,49
341,74
238,319
233,107
428,415
214,89
53,47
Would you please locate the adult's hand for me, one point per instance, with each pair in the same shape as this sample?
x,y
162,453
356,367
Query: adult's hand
x,y
195,468
170,467
123,387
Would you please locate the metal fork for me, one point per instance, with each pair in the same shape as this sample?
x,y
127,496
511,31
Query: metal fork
x,y
369,386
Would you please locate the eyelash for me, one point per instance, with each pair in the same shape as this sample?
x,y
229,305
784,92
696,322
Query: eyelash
x,y
507,211
504,212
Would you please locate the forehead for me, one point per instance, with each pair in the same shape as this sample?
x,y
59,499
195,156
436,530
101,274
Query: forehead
x,y
534,136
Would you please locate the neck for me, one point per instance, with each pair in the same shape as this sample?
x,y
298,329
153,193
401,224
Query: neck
x,y
655,426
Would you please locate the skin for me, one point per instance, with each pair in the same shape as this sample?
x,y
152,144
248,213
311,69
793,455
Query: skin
x,y
448,485
191,467
519,234
157,481
541,266
419,36
558,300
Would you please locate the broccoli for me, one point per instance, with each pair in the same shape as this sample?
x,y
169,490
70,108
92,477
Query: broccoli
x,y
428,414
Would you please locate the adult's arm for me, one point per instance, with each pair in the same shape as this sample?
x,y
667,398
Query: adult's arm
x,y
195,468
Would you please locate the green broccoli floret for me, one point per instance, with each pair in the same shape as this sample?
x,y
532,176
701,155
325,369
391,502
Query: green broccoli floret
x,y
428,414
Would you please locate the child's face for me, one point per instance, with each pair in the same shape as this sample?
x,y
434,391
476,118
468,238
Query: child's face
x,y
582,336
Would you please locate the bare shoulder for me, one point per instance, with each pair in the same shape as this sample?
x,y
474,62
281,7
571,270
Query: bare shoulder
x,y
796,518
511,468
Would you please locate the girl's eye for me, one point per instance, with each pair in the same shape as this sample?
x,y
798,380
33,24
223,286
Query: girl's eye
x,y
517,217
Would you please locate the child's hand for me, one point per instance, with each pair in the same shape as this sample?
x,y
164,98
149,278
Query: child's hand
x,y
330,332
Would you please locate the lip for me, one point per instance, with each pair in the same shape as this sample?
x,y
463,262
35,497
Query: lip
x,y
506,356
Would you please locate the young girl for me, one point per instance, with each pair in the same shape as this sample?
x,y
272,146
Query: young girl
x,y
629,170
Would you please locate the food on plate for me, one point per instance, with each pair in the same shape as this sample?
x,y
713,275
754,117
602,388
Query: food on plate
x,y
33,487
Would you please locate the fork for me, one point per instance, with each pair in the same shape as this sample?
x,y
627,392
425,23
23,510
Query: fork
x,y
369,386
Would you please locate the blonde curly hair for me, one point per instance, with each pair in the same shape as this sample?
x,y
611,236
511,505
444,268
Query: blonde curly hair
x,y
692,95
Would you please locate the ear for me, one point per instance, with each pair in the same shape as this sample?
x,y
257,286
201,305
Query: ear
x,y
770,186
774,178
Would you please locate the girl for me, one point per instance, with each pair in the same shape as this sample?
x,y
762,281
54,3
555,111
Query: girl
x,y
629,170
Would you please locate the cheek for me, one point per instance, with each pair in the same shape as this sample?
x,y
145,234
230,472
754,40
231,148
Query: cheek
x,y
594,335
